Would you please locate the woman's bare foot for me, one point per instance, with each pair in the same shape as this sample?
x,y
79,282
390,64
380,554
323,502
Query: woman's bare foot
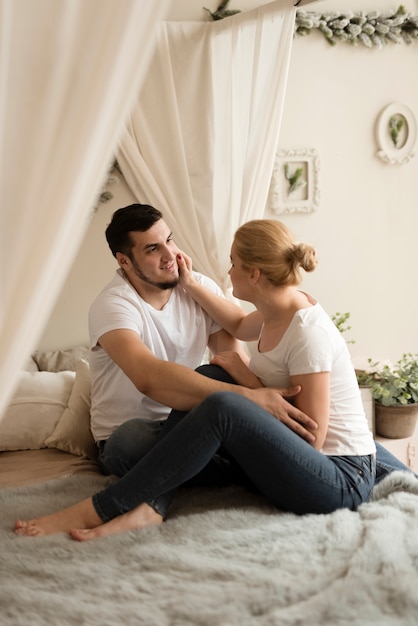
x,y
140,517
81,515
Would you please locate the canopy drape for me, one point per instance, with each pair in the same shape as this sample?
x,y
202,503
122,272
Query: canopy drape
x,y
69,73
200,143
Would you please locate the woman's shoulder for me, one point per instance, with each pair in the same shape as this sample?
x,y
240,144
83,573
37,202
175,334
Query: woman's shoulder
x,y
314,322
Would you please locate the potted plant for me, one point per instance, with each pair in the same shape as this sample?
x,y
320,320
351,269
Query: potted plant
x,y
395,392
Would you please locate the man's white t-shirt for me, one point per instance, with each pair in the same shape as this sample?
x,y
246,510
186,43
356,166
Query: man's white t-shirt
x,y
178,333
312,343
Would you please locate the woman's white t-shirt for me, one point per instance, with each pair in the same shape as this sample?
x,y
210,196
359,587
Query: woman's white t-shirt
x,y
312,343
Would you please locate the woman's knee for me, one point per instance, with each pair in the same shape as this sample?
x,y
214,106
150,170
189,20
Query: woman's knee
x,y
215,372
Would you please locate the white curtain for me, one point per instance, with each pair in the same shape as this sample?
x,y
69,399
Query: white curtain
x,y
69,73
201,141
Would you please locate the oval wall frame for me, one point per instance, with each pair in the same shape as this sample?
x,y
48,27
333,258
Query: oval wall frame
x,y
396,134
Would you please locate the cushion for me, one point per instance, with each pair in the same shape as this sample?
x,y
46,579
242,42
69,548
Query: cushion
x,y
35,409
72,433
60,360
31,365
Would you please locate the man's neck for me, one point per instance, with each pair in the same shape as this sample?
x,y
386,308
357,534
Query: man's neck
x,y
154,296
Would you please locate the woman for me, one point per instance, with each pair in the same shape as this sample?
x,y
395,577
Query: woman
x,y
298,344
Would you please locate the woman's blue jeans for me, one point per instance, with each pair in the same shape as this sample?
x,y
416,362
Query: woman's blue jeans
x,y
277,462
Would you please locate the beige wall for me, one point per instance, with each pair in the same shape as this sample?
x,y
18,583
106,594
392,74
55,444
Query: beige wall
x,y
366,226
93,268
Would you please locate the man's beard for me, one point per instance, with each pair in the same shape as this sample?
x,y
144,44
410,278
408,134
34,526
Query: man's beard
x,y
164,285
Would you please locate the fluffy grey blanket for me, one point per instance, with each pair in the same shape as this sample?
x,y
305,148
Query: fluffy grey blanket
x,y
223,558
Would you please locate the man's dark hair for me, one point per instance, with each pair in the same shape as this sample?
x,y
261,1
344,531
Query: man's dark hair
x,y
135,217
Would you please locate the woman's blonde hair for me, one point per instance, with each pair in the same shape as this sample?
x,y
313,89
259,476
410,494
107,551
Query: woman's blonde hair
x,y
270,246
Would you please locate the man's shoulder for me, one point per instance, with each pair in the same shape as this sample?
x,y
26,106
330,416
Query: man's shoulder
x,y
116,290
207,282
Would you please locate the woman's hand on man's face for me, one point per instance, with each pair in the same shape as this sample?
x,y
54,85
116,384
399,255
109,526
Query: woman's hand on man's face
x,y
184,264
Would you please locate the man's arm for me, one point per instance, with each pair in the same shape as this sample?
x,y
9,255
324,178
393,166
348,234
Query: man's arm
x,y
182,388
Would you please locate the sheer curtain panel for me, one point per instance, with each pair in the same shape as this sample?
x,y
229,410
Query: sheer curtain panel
x,y
69,74
200,142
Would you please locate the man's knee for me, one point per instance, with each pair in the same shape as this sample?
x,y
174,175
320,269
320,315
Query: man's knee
x,y
128,444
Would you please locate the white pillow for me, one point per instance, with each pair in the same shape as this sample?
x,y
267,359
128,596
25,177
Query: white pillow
x,y
35,409
72,433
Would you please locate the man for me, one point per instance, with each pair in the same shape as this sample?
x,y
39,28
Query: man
x,y
147,338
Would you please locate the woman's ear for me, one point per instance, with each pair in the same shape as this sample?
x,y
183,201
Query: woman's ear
x,y
254,275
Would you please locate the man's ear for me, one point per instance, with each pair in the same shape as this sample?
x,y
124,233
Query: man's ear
x,y
124,262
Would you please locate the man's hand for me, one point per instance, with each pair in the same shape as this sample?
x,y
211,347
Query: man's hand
x,y
282,410
273,401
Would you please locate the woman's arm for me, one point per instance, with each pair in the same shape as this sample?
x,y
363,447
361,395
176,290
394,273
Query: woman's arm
x,y
222,341
237,367
314,399
225,313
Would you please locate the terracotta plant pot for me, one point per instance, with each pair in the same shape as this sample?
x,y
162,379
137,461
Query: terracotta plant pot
x,y
396,421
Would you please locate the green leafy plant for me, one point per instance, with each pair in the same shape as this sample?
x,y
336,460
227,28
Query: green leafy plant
x,y
340,320
392,384
222,11
295,178
396,123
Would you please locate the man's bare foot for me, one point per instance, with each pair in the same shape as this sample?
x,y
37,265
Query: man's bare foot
x,y
140,517
81,515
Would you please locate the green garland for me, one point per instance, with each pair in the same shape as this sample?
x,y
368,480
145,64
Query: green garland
x,y
369,29
373,29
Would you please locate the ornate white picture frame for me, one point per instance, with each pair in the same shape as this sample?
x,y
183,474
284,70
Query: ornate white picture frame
x,y
396,134
294,185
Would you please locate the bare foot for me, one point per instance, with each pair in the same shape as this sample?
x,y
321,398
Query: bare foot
x,y
81,515
140,517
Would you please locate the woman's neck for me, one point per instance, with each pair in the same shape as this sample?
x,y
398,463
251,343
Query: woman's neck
x,y
277,304
278,310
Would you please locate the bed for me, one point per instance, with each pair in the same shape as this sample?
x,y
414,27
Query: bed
x,y
223,557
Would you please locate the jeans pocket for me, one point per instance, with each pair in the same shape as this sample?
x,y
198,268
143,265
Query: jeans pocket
x,y
359,472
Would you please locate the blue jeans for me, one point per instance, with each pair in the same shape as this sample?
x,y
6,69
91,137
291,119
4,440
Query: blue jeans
x,y
127,445
276,461
132,440
386,463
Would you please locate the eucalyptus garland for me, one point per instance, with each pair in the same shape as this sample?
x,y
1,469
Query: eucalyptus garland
x,y
369,29
372,29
